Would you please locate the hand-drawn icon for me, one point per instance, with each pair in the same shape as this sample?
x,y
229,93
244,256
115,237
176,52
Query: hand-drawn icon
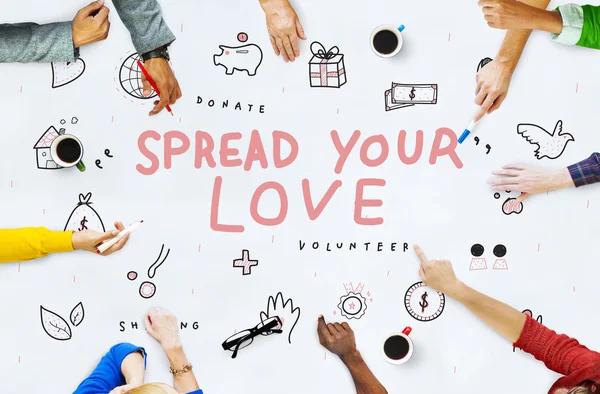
x,y
353,304
550,145
510,205
326,68
500,263
84,217
243,58
62,121
484,62
107,154
277,307
423,303
487,146
245,263
42,149
477,262
74,120
56,327
130,78
65,73
148,289
407,95
529,313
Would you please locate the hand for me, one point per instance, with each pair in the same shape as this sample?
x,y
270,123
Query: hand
x,y
493,81
285,311
284,28
509,14
162,325
437,274
123,389
89,239
530,180
165,81
337,338
90,24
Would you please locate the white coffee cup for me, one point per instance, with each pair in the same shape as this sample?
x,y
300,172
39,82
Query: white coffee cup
x,y
56,157
397,31
396,336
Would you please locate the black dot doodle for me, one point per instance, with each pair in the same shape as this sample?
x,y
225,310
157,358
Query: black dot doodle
x,y
499,251
477,250
496,195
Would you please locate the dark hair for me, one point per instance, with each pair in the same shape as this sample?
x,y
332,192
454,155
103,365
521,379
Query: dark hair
x,y
586,387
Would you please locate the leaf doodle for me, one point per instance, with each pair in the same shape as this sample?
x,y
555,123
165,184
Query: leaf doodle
x,y
77,315
54,325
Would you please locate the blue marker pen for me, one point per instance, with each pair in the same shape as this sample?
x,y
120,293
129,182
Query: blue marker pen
x,y
470,128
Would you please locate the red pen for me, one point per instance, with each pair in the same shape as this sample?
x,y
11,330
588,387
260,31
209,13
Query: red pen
x,y
141,66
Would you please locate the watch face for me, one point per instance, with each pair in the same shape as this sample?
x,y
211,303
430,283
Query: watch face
x,y
423,303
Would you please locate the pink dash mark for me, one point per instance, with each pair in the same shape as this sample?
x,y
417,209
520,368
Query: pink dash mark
x,y
448,37
588,203
182,27
199,247
454,369
21,91
282,90
192,291
388,273
573,289
19,267
325,356
73,278
113,119
11,184
538,247
44,211
273,239
315,274
180,119
19,359
577,87
338,111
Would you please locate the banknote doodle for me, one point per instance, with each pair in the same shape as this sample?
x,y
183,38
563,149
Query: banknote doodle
x,y
550,145
407,95
246,57
326,67
56,327
423,303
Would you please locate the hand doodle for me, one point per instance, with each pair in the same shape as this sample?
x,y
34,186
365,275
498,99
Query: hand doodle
x,y
285,310
489,148
476,140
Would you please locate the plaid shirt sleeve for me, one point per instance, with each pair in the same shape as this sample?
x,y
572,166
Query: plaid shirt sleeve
x,y
587,171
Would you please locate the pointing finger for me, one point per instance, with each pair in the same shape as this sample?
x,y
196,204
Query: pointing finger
x,y
322,328
420,254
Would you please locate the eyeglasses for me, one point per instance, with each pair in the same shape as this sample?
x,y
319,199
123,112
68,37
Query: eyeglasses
x,y
245,338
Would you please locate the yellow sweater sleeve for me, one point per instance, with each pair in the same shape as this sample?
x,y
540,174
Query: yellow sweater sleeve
x,y
30,243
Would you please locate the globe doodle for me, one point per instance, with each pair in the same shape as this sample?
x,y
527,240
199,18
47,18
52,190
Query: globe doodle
x,y
130,77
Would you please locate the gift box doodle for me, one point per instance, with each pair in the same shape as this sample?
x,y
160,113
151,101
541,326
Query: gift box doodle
x,y
326,68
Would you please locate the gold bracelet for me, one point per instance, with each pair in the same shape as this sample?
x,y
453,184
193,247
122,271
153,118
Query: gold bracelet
x,y
186,368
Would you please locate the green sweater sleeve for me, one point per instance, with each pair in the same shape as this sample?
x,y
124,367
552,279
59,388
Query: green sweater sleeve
x,y
590,34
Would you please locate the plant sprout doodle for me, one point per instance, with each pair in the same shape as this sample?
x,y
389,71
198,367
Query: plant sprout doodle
x,y
148,289
56,327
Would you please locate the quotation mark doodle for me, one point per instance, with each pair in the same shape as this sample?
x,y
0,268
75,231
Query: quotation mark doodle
x,y
147,288
487,146
107,154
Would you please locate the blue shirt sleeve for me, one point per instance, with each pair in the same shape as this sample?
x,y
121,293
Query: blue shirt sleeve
x,y
107,375
195,392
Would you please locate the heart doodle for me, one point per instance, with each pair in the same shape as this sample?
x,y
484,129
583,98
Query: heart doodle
x,y
65,73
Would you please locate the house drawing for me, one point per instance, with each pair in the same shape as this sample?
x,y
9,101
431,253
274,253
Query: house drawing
x,y
42,149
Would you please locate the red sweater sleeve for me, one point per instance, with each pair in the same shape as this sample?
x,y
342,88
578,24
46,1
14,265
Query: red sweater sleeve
x,y
559,352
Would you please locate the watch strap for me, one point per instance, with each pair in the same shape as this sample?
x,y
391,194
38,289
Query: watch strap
x,y
156,53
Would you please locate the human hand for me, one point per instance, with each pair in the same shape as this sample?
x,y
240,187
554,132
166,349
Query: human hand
x,y
90,24
493,81
89,239
530,180
284,28
509,14
437,274
162,325
337,338
285,311
162,75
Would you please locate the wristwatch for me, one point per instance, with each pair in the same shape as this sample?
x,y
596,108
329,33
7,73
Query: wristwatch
x,y
158,52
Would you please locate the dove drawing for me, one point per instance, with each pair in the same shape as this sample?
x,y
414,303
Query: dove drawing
x,y
550,145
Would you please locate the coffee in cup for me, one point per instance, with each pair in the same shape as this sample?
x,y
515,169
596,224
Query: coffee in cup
x,y
386,40
67,151
398,348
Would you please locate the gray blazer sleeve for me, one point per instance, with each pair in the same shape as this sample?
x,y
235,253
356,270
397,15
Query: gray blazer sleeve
x,y
143,19
30,42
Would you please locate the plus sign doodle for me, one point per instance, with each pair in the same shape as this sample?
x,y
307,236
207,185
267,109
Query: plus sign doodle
x,y
245,263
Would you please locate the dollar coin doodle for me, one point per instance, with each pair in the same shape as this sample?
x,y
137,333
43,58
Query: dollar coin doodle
x,y
423,303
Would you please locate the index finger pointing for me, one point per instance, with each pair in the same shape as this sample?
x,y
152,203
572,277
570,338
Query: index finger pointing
x,y
322,328
420,254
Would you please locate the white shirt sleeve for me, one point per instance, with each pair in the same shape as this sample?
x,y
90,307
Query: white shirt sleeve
x,y
572,16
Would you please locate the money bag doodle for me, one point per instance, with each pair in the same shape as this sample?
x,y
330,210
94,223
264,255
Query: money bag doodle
x,y
84,217
56,327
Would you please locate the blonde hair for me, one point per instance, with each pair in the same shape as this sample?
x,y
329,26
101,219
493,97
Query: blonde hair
x,y
149,388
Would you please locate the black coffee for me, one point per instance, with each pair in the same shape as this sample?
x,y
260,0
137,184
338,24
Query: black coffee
x,y
68,150
396,347
385,42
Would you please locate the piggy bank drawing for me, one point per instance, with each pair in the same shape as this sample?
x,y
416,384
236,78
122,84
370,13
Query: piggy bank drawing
x,y
243,58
